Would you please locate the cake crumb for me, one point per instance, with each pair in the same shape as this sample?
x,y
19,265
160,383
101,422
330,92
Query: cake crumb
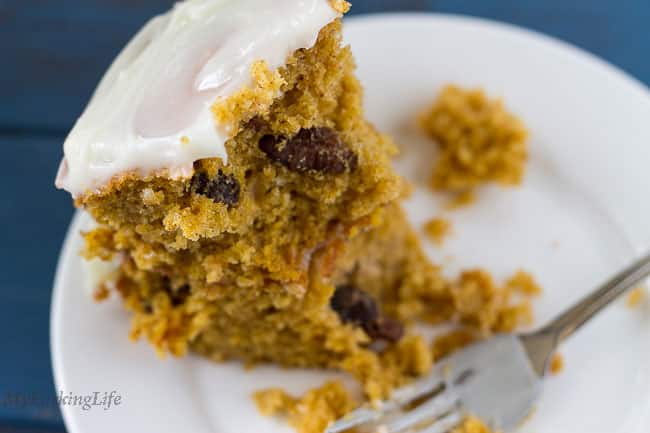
x,y
310,413
446,344
151,197
479,140
636,297
557,364
437,229
101,293
461,199
272,401
483,304
524,283
318,408
471,424
341,6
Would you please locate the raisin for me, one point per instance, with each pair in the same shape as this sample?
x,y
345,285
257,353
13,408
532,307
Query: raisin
x,y
256,124
318,149
147,307
179,295
354,306
222,189
385,329
358,307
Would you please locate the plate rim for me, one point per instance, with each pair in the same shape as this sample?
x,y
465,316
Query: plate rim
x,y
55,322
584,55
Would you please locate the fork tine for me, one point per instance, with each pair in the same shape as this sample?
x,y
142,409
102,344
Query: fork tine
x,y
354,419
434,379
413,391
365,415
436,407
400,397
444,424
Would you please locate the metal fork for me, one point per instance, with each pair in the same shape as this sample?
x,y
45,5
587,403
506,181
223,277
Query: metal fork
x,y
497,380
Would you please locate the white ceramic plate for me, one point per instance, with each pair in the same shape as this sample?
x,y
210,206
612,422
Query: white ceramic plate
x,y
582,213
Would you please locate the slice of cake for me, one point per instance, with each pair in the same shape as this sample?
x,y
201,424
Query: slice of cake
x,y
251,207
227,162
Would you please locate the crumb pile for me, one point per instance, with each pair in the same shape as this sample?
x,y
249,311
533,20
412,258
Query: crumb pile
x,y
313,412
478,139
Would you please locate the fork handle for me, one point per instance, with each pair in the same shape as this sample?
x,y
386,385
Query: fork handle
x,y
572,319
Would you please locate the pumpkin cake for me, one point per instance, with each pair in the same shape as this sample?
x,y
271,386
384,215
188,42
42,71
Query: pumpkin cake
x,y
251,208
270,234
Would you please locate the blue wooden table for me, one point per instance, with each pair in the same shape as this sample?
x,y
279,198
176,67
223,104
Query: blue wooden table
x,y
54,52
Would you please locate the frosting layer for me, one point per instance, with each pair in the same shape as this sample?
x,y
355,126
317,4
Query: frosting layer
x,y
151,111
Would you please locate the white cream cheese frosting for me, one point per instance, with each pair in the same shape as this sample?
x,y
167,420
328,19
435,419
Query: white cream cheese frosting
x,y
151,111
